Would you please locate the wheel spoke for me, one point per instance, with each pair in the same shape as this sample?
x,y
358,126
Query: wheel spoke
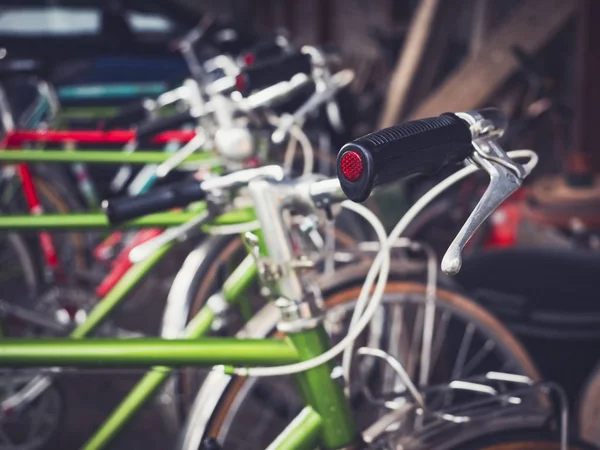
x,y
440,338
479,356
395,348
508,366
463,351
398,329
415,343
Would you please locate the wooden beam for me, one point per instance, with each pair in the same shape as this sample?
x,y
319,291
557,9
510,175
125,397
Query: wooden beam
x,y
532,25
409,61
433,56
481,25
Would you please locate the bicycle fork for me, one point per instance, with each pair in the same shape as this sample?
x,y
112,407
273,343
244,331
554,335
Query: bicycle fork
x,y
36,208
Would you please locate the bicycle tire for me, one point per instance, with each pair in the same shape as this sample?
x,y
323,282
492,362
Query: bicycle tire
x,y
222,390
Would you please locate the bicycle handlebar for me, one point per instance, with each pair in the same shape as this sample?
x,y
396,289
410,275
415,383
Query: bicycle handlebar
x,y
420,146
272,71
175,195
182,194
275,94
265,50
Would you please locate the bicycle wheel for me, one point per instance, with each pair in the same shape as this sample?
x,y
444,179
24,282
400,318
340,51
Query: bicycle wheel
x,y
250,413
34,426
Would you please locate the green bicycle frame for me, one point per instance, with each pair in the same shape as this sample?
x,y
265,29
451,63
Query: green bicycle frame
x,y
102,156
325,420
91,221
134,275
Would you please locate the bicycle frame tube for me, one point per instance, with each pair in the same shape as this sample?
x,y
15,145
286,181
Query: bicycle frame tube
x,y
19,137
327,418
133,276
69,113
145,352
110,91
119,292
322,393
35,207
301,434
10,155
85,221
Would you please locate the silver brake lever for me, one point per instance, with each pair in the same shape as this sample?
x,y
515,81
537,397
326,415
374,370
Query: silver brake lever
x,y
181,155
506,176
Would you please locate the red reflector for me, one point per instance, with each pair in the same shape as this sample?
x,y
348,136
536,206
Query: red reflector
x,y
249,59
351,166
240,83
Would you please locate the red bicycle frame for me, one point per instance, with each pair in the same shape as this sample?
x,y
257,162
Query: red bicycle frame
x,y
18,138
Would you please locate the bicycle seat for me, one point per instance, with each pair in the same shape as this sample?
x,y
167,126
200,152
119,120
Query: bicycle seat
x,y
18,67
549,291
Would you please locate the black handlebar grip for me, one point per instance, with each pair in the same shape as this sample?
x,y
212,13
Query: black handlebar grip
x,y
272,71
420,146
158,125
128,116
263,51
180,194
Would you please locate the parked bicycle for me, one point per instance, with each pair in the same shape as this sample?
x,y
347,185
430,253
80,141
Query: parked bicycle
x,y
284,274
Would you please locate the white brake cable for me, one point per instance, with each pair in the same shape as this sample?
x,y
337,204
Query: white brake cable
x,y
382,261
297,136
308,152
381,267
